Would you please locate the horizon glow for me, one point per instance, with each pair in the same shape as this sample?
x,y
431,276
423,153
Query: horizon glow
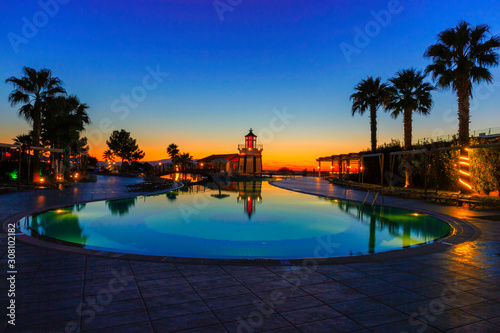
x,y
200,76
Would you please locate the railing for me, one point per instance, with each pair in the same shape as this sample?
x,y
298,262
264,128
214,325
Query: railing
x,y
257,147
450,137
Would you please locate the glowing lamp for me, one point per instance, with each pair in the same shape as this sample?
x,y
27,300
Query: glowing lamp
x,y
465,184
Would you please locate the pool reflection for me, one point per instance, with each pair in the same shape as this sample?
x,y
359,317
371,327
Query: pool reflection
x,y
62,224
236,220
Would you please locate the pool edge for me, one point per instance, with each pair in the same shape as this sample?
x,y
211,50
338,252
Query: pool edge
x,y
462,231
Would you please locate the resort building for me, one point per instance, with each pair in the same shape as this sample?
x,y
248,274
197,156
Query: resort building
x,y
220,162
247,162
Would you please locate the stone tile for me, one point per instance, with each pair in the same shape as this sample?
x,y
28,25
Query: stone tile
x,y
471,284
357,306
436,291
288,329
55,305
340,296
398,298
161,282
246,279
415,283
243,312
485,310
207,277
321,288
408,326
230,301
346,275
207,329
360,282
379,289
175,310
425,306
171,299
157,275
273,294
215,284
339,324
384,315
491,293
144,327
310,314
52,295
483,327
495,321
283,305
166,290
461,299
61,316
450,319
134,305
223,292
398,276
199,320
102,322
257,323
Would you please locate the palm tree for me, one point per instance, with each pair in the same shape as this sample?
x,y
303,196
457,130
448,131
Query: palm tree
x,y
185,160
173,152
25,141
108,157
460,58
64,122
408,93
370,94
34,90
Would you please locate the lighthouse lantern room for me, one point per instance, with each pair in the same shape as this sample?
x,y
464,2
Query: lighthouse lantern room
x,y
250,155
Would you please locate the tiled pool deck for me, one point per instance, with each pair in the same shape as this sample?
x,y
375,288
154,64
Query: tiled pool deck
x,y
456,290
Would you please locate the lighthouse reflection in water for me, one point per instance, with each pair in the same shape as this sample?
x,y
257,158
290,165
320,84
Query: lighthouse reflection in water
x,y
250,195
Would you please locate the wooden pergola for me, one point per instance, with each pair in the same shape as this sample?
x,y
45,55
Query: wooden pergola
x,y
28,150
343,161
343,164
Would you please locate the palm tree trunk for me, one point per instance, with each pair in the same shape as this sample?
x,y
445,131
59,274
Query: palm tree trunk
x,y
463,133
463,113
37,124
373,126
407,134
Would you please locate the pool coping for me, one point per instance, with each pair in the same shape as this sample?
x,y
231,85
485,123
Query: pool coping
x,y
462,231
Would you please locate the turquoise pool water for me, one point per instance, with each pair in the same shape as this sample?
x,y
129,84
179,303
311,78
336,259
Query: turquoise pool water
x,y
241,220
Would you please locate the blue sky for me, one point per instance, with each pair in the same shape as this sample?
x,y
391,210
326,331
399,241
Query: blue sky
x,y
225,76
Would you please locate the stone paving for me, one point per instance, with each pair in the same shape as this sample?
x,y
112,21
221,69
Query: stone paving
x,y
453,291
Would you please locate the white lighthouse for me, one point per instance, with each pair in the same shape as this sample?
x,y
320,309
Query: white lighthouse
x,y
250,156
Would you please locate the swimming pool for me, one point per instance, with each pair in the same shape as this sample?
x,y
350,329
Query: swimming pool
x,y
239,220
